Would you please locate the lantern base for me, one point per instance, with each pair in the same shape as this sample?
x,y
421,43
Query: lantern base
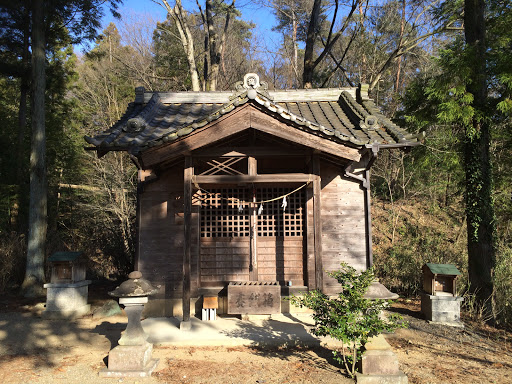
x,y
399,378
130,361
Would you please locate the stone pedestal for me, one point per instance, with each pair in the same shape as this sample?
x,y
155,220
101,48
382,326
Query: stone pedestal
x,y
442,309
132,357
66,300
134,333
379,365
130,361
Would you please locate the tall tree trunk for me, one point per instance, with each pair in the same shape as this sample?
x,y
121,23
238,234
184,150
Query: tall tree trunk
x,y
309,59
399,63
22,126
479,204
295,51
212,46
216,48
178,15
34,274
362,75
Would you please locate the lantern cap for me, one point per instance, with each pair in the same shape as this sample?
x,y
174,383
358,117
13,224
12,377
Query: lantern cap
x,y
136,286
378,291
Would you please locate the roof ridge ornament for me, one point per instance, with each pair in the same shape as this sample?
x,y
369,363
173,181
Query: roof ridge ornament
x,y
252,85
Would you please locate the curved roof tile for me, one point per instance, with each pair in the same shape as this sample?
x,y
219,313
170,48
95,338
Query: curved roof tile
x,y
332,114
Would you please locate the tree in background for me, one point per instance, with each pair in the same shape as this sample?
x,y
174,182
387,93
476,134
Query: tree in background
x,y
81,18
105,87
214,38
292,20
471,92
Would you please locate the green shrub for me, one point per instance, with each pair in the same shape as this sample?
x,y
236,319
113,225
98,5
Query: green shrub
x,y
349,317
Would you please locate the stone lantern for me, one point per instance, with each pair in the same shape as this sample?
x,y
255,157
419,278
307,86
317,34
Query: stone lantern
x,y
132,357
379,364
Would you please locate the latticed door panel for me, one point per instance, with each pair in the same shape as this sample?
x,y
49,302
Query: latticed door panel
x,y
226,234
225,241
277,220
221,215
279,243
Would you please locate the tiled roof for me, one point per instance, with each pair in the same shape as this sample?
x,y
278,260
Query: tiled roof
x,y
335,114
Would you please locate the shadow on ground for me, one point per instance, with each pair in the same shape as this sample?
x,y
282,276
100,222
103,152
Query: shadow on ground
x,y
279,339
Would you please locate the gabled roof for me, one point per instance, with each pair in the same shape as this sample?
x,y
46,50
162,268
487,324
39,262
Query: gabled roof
x,y
442,269
344,115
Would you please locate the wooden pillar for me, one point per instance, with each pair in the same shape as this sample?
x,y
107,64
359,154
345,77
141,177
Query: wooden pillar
x,y
368,209
138,211
317,222
253,222
187,233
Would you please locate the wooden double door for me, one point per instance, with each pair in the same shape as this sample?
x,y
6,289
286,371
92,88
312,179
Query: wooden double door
x,y
252,234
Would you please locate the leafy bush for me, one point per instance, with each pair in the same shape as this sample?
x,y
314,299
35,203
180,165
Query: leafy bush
x,y
349,317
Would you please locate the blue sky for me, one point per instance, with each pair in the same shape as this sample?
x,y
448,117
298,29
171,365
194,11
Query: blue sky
x,y
259,15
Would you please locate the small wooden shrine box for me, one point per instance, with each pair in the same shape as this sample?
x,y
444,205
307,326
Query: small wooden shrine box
x,y
440,279
67,267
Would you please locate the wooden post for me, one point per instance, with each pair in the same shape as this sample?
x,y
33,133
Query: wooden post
x,y
253,222
187,233
368,218
138,215
317,216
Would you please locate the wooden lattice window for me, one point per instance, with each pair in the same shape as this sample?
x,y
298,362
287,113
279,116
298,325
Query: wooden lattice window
x,y
221,216
273,220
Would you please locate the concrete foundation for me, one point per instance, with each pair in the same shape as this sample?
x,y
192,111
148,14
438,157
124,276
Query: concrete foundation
x,y
66,300
442,309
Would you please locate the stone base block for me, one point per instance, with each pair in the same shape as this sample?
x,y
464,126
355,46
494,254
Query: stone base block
x,y
66,313
379,362
67,298
130,357
146,372
458,324
377,343
185,325
399,378
441,309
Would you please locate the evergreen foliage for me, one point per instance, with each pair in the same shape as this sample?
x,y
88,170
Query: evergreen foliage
x,y
349,317
468,93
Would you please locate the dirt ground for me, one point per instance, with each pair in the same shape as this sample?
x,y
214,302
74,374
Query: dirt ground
x,y
432,354
33,350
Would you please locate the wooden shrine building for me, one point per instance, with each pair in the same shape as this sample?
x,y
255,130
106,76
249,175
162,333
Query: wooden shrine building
x,y
250,185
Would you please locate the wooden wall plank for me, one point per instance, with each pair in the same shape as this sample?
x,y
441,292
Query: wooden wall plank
x,y
161,256
343,223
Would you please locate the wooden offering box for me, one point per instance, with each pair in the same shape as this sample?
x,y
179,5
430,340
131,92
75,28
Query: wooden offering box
x,y
440,279
67,267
